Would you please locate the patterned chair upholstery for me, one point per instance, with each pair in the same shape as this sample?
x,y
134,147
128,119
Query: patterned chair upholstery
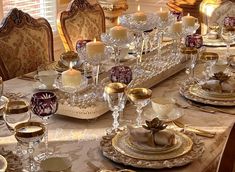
x,y
226,9
82,20
25,44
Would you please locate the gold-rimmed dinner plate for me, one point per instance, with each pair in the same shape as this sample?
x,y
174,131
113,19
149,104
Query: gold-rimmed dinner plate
x,y
191,92
120,144
145,149
198,91
215,42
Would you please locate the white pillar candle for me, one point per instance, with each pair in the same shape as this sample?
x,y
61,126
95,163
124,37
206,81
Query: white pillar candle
x,y
188,21
176,28
71,77
118,32
163,14
139,16
95,48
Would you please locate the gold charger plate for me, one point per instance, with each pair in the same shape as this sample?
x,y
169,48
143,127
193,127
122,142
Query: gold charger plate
x,y
111,153
189,91
215,42
198,91
120,144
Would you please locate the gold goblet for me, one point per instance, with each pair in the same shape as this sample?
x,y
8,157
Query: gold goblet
x,y
140,97
115,96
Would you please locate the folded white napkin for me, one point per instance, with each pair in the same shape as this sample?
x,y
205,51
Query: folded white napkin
x,y
212,85
143,136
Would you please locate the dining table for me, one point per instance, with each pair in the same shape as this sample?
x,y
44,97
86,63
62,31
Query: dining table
x,y
80,139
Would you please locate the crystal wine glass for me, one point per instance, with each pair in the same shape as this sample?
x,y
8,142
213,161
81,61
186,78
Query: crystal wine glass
x,y
44,105
81,50
140,97
16,112
30,134
228,35
115,96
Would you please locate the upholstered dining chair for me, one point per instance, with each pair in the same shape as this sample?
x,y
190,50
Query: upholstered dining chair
x,y
227,160
25,44
83,19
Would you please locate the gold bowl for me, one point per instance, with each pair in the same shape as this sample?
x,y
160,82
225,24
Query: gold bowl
x,y
135,94
115,87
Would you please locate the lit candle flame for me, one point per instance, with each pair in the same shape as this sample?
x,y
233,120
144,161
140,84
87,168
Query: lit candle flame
x,y
118,21
138,8
94,39
188,14
161,9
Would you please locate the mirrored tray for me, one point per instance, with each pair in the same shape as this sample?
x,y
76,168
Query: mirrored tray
x,y
14,163
191,92
110,151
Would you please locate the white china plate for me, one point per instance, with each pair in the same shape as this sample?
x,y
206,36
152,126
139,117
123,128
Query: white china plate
x,y
174,114
42,87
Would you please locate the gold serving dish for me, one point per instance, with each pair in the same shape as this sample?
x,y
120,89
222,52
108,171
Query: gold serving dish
x,y
121,144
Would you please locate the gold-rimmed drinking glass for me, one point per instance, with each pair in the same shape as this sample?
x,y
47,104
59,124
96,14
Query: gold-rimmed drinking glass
x,y
14,113
30,134
114,94
140,97
228,35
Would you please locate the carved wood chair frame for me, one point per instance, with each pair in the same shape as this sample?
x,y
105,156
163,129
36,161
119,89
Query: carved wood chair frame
x,y
18,18
73,8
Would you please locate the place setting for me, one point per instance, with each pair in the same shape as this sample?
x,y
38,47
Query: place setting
x,y
138,146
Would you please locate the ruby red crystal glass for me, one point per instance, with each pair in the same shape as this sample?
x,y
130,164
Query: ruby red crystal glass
x,y
44,105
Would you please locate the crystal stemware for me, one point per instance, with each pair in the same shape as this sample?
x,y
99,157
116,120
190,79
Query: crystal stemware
x,y
30,134
16,112
44,105
228,35
81,50
140,97
3,99
115,96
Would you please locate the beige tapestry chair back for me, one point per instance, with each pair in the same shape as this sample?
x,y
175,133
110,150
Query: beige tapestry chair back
x,y
82,20
25,44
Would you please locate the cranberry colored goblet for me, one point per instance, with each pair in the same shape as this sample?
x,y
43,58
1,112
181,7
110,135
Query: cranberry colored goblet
x,y
44,105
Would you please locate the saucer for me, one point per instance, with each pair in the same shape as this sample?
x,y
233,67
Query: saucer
x,y
173,115
43,87
56,164
3,164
